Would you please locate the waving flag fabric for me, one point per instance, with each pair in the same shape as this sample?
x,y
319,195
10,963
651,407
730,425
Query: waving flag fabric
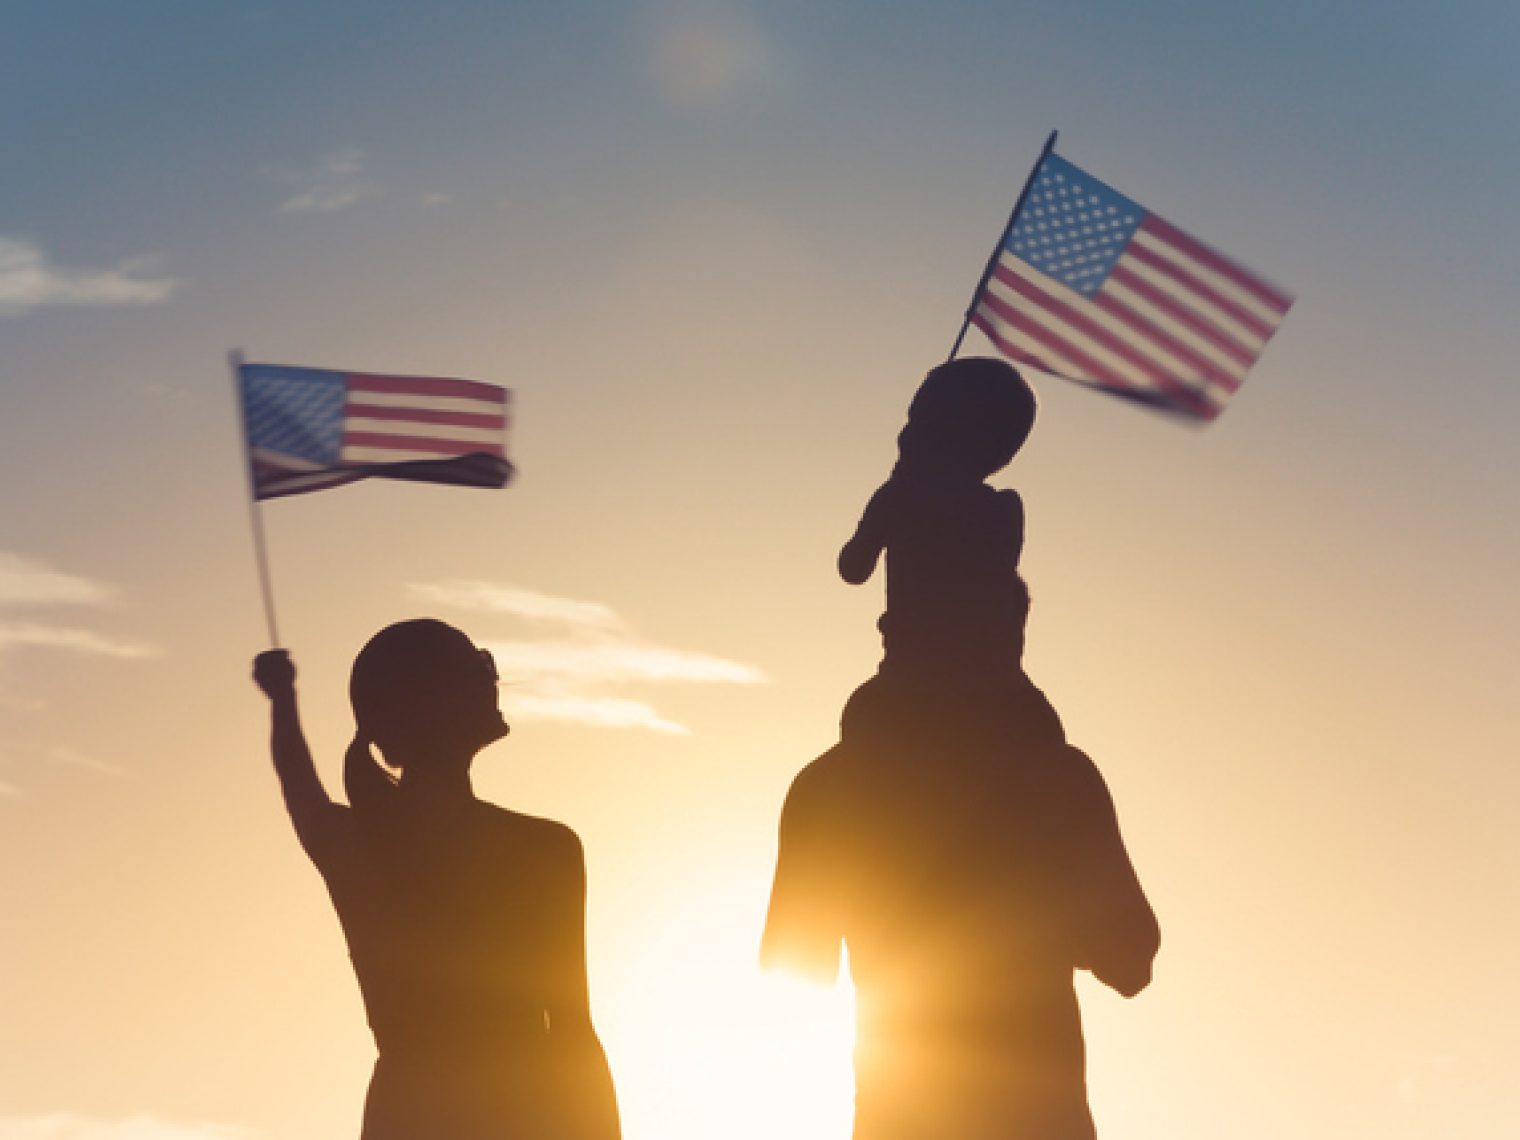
x,y
309,428
1092,287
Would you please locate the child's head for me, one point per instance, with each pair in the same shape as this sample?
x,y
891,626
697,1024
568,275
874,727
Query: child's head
x,y
969,416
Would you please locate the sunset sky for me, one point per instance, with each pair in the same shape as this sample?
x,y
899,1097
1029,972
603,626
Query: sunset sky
x,y
712,247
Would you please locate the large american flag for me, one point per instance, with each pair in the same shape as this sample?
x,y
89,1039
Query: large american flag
x,y
309,428
1092,287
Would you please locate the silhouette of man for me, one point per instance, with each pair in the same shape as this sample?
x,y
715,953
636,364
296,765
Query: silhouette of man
x,y
967,889
465,922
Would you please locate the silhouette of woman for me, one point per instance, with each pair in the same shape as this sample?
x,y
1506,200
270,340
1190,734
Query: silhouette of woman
x,y
465,922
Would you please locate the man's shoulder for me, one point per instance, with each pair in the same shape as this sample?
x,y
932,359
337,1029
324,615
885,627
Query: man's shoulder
x,y
824,773
824,785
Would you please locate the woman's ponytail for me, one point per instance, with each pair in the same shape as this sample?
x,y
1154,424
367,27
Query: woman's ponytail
x,y
370,787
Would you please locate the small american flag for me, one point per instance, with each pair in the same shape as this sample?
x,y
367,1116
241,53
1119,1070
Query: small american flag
x,y
309,428
1091,287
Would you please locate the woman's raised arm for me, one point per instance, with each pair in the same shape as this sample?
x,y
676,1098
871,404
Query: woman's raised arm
x,y
311,809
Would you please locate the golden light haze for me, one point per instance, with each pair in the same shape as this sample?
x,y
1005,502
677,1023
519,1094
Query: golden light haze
x,y
1290,641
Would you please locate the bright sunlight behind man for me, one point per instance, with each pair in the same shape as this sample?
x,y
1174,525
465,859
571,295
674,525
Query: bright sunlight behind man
x,y
750,1059
727,1050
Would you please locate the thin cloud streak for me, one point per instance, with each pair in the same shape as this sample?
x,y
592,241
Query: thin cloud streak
x,y
29,281
335,185
36,635
25,582
71,1126
603,712
466,594
561,678
69,758
616,661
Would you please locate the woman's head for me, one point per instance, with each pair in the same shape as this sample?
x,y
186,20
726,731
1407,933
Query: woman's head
x,y
969,416
422,691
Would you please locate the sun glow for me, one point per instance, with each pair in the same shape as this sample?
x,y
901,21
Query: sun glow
x,y
738,1053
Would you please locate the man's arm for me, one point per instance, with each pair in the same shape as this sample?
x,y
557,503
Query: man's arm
x,y
311,810
1116,930
803,926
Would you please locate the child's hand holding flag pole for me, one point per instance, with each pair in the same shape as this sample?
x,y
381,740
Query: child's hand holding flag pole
x,y
1088,285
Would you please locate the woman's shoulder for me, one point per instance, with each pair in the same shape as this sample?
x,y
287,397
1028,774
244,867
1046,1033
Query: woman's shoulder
x,y
327,833
548,836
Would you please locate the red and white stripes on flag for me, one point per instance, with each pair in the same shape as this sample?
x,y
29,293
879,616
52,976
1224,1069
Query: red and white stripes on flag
x,y
400,419
1091,287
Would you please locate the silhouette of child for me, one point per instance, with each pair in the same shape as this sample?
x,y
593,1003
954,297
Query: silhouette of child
x,y
953,630
465,922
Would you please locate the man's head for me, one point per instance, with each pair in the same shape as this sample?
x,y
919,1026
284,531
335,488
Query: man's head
x,y
970,415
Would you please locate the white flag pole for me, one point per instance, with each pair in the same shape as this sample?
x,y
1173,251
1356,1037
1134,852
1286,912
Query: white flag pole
x,y
997,249
261,556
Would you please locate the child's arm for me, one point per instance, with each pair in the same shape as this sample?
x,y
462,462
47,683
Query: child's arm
x,y
306,799
857,559
1013,509
995,521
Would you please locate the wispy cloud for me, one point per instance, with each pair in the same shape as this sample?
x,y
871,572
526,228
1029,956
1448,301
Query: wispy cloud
x,y
337,183
602,712
28,584
466,594
37,635
29,280
25,582
565,677
616,661
71,758
31,756
71,1126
